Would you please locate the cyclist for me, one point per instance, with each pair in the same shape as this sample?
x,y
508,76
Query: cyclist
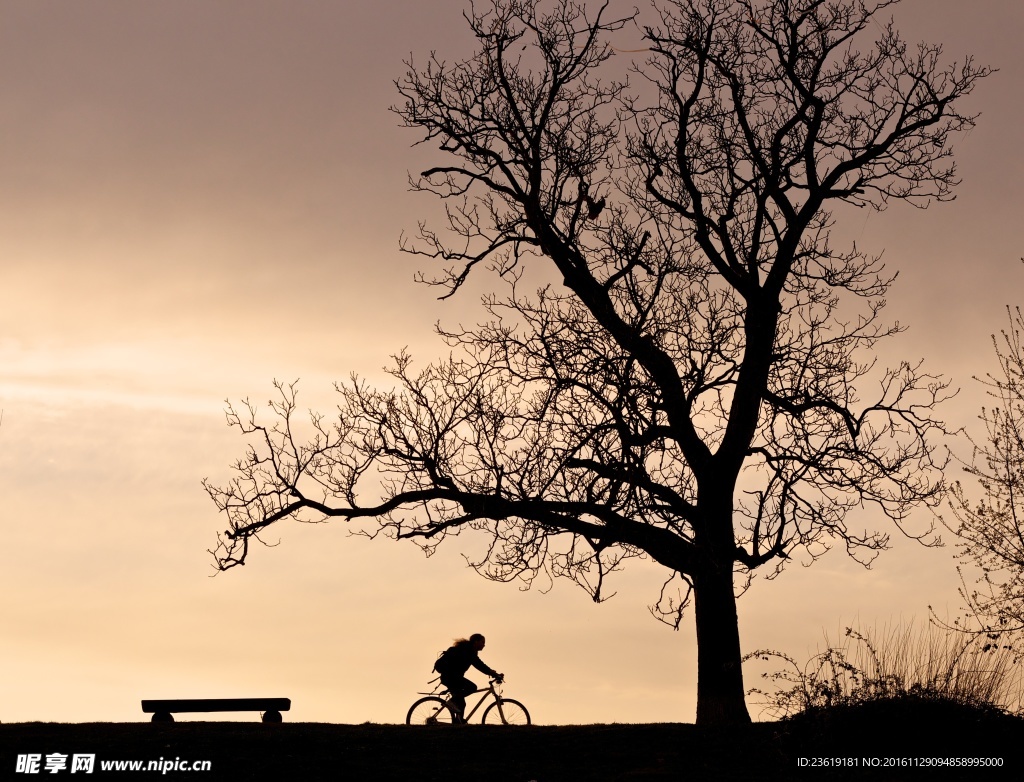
x,y
453,664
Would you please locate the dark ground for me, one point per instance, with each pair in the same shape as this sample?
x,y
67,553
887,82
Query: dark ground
x,y
899,736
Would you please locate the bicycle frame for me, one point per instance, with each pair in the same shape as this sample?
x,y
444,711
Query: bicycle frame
x,y
488,691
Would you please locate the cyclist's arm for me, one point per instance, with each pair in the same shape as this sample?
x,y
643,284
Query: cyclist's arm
x,y
481,666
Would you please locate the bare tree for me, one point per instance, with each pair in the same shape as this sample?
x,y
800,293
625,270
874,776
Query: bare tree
x,y
685,390
991,530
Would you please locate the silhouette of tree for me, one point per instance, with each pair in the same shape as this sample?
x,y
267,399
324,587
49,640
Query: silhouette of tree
x,y
685,389
991,531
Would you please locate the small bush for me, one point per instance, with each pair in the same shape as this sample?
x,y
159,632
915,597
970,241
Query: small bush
x,y
899,662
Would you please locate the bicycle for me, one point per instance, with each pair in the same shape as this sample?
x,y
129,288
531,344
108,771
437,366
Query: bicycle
x,y
436,708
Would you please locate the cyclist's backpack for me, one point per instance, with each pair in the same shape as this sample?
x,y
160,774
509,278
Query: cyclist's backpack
x,y
444,662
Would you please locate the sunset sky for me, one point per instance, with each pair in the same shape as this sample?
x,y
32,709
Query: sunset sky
x,y
199,197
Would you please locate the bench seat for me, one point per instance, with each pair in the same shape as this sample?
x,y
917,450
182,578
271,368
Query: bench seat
x,y
162,710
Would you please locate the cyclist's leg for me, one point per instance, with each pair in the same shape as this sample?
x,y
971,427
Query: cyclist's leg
x,y
457,698
468,688
459,688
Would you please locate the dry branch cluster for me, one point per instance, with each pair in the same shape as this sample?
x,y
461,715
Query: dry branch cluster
x,y
991,530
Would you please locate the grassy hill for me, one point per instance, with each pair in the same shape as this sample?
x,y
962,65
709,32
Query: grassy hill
x,y
898,733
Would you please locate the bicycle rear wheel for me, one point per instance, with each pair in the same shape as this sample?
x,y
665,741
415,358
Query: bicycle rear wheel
x,y
506,711
430,711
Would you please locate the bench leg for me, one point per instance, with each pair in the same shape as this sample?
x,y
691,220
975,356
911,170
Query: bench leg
x,y
162,716
272,716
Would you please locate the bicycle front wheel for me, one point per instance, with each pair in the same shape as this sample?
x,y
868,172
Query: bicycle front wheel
x,y
506,711
430,711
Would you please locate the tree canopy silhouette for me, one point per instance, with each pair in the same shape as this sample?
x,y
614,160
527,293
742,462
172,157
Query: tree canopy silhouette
x,y
696,385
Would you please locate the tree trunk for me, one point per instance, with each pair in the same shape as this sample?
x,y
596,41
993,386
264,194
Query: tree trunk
x,y
720,692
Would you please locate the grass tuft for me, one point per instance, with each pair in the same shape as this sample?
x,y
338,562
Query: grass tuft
x,y
899,662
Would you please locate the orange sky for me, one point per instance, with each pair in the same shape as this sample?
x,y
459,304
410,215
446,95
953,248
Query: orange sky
x,y
196,198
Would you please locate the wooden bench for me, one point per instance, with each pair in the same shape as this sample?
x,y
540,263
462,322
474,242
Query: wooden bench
x,y
162,711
